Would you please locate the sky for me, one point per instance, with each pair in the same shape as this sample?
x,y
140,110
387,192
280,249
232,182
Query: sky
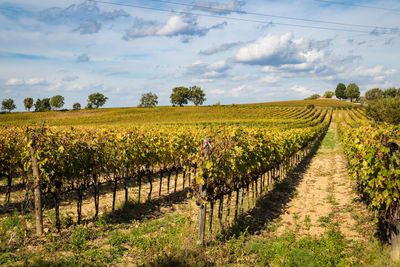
x,y
237,51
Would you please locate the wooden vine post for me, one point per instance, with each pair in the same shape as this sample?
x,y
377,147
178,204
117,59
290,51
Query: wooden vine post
x,y
203,195
37,189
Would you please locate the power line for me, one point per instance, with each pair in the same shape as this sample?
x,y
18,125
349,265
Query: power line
x,y
230,18
216,9
350,4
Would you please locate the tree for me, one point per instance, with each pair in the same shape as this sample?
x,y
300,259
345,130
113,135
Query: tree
x,y
339,92
373,94
384,110
96,100
196,95
76,106
57,102
391,92
352,91
148,100
8,104
42,105
28,103
315,96
180,96
329,94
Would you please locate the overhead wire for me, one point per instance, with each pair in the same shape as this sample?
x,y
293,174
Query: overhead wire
x,y
230,18
216,9
357,5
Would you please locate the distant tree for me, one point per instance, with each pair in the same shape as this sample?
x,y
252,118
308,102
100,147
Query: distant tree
x,y
180,96
315,96
373,94
57,102
391,92
97,100
42,105
384,110
352,91
28,103
329,94
37,105
148,100
339,92
196,95
76,106
8,104
89,106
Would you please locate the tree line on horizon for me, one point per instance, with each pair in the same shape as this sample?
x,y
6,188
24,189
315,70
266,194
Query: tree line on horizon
x,y
351,91
179,97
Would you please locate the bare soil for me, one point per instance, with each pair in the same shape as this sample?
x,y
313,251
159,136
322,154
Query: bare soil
x,y
324,195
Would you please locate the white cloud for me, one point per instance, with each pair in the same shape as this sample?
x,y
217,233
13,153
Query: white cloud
x,y
203,80
14,81
207,70
236,92
30,82
176,25
278,50
271,79
36,81
302,90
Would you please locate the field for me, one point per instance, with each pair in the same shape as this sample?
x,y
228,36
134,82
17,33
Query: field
x,y
259,184
158,115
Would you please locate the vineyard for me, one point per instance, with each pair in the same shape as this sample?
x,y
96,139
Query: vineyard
x,y
69,188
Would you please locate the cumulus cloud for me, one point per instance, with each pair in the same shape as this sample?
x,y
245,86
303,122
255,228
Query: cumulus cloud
x,y
220,8
30,82
83,58
87,15
277,50
219,48
177,25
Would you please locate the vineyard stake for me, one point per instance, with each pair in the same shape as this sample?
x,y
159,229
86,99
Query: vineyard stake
x,y
126,183
161,176
203,195
211,220
241,200
37,189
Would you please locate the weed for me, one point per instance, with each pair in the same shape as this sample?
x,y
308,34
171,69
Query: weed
x,y
117,238
307,222
79,238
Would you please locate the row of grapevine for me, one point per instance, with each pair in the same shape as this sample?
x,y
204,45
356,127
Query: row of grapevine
x,y
61,159
374,161
234,159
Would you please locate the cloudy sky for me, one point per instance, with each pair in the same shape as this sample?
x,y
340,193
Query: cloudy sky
x,y
237,51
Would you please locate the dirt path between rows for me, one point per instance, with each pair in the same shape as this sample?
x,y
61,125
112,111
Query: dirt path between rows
x,y
325,194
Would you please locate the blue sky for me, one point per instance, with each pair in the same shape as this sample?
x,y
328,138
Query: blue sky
x,y
237,51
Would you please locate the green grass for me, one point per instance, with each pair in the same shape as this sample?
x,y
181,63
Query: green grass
x,y
329,140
